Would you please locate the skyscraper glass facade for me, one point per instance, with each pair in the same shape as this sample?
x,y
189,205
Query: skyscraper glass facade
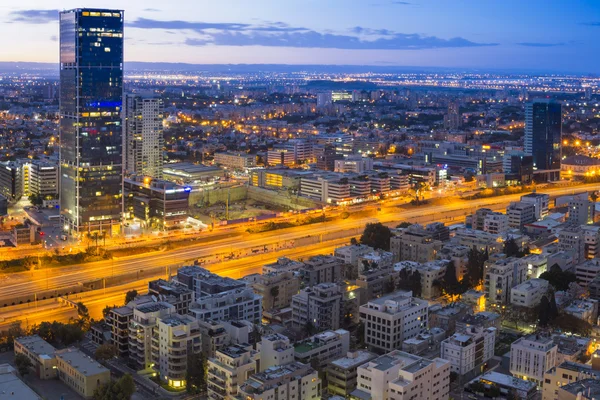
x,y
543,128
91,100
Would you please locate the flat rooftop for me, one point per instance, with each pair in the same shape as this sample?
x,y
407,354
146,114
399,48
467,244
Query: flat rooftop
x,y
82,363
37,345
353,360
11,387
506,380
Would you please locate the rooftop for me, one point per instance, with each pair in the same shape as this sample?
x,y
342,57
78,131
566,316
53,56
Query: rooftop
x,y
11,387
590,387
79,361
37,345
506,380
353,359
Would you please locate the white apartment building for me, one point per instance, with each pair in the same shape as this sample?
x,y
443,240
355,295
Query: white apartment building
x,y
430,273
356,164
519,214
342,373
141,329
236,161
531,356
587,271
391,319
573,239
565,373
500,277
591,234
231,367
541,203
496,223
275,350
175,338
581,210
236,304
294,381
351,253
322,347
320,305
326,188
537,264
414,243
143,134
469,350
529,293
276,288
283,264
402,376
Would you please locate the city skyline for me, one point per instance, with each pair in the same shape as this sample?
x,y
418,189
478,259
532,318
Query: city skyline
x,y
465,34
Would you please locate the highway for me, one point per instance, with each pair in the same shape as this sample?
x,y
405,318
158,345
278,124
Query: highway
x,y
242,243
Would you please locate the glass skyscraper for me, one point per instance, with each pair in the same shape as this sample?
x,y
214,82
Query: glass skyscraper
x,y
543,129
91,100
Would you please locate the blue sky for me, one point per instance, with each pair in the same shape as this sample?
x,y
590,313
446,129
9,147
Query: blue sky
x,y
545,35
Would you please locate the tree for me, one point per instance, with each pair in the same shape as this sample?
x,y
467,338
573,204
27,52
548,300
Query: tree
x,y
23,364
544,312
449,284
274,294
196,373
106,310
558,278
353,241
410,280
309,328
377,236
82,311
404,224
594,196
570,323
121,389
511,248
475,265
389,286
130,296
105,352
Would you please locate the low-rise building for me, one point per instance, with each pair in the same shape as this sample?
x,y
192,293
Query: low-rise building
x,y
40,353
351,253
402,376
81,373
414,243
231,367
342,372
286,382
319,306
11,387
321,269
391,319
587,271
501,276
531,356
276,288
173,293
496,223
236,161
507,385
540,202
584,309
283,264
240,303
275,350
585,389
565,373
519,214
322,347
529,293
446,317
468,351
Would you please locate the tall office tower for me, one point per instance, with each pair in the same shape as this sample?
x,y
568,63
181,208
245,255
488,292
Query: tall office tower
x,y
452,120
144,136
91,98
543,127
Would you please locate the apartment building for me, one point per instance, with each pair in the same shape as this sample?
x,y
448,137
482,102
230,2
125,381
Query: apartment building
x,y
275,350
203,282
175,339
350,254
234,304
276,288
173,293
581,209
531,356
414,243
141,331
537,264
321,269
529,293
541,203
213,336
353,164
292,381
591,234
328,188
496,223
508,385
573,239
468,350
402,376
391,319
342,372
319,306
231,367
501,276
322,347
236,161
447,317
80,372
520,214
564,374
587,271
283,264
40,353
430,272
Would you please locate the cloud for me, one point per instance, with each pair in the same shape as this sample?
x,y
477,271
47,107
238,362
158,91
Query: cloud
x,y
151,10
593,23
401,3
536,44
147,23
312,39
34,16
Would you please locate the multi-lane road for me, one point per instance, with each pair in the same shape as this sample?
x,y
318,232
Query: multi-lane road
x,y
242,243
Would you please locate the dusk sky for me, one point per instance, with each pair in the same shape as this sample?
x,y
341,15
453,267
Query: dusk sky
x,y
544,35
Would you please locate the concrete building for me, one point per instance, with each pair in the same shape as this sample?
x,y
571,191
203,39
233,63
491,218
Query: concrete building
x,y
293,381
40,353
281,157
584,309
283,264
213,337
275,350
564,374
501,276
414,243
321,269
447,317
375,280
541,203
402,376
11,180
236,161
276,288
520,214
355,164
144,139
173,293
581,210
141,329
175,340
11,387
391,319
573,239
81,373
531,356
231,367
43,179
529,293
430,272
496,223
468,351
234,304
342,372
350,254
591,234
507,385
319,306
587,271
323,347
537,264
328,188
